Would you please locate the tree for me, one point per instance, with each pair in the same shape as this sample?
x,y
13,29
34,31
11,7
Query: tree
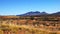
x,y
32,18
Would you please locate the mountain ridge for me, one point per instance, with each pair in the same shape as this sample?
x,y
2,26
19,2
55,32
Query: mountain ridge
x,y
38,13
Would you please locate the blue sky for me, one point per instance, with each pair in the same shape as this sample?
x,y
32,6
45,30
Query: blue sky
x,y
14,7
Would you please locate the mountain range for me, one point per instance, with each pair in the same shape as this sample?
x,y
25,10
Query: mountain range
x,y
38,13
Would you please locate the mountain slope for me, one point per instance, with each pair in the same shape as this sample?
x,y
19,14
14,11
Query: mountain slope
x,y
38,13
33,13
57,13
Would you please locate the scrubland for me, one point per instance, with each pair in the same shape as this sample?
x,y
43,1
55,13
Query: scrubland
x,y
30,25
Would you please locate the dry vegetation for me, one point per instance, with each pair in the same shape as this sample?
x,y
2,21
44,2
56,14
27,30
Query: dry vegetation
x,y
30,25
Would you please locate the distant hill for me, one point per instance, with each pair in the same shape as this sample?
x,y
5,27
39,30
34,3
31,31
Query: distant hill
x,y
38,13
57,13
33,13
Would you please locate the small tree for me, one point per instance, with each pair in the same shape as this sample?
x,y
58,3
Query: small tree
x,y
45,19
32,18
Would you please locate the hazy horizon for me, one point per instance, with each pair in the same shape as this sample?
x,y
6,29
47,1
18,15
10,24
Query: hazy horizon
x,y
15,7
